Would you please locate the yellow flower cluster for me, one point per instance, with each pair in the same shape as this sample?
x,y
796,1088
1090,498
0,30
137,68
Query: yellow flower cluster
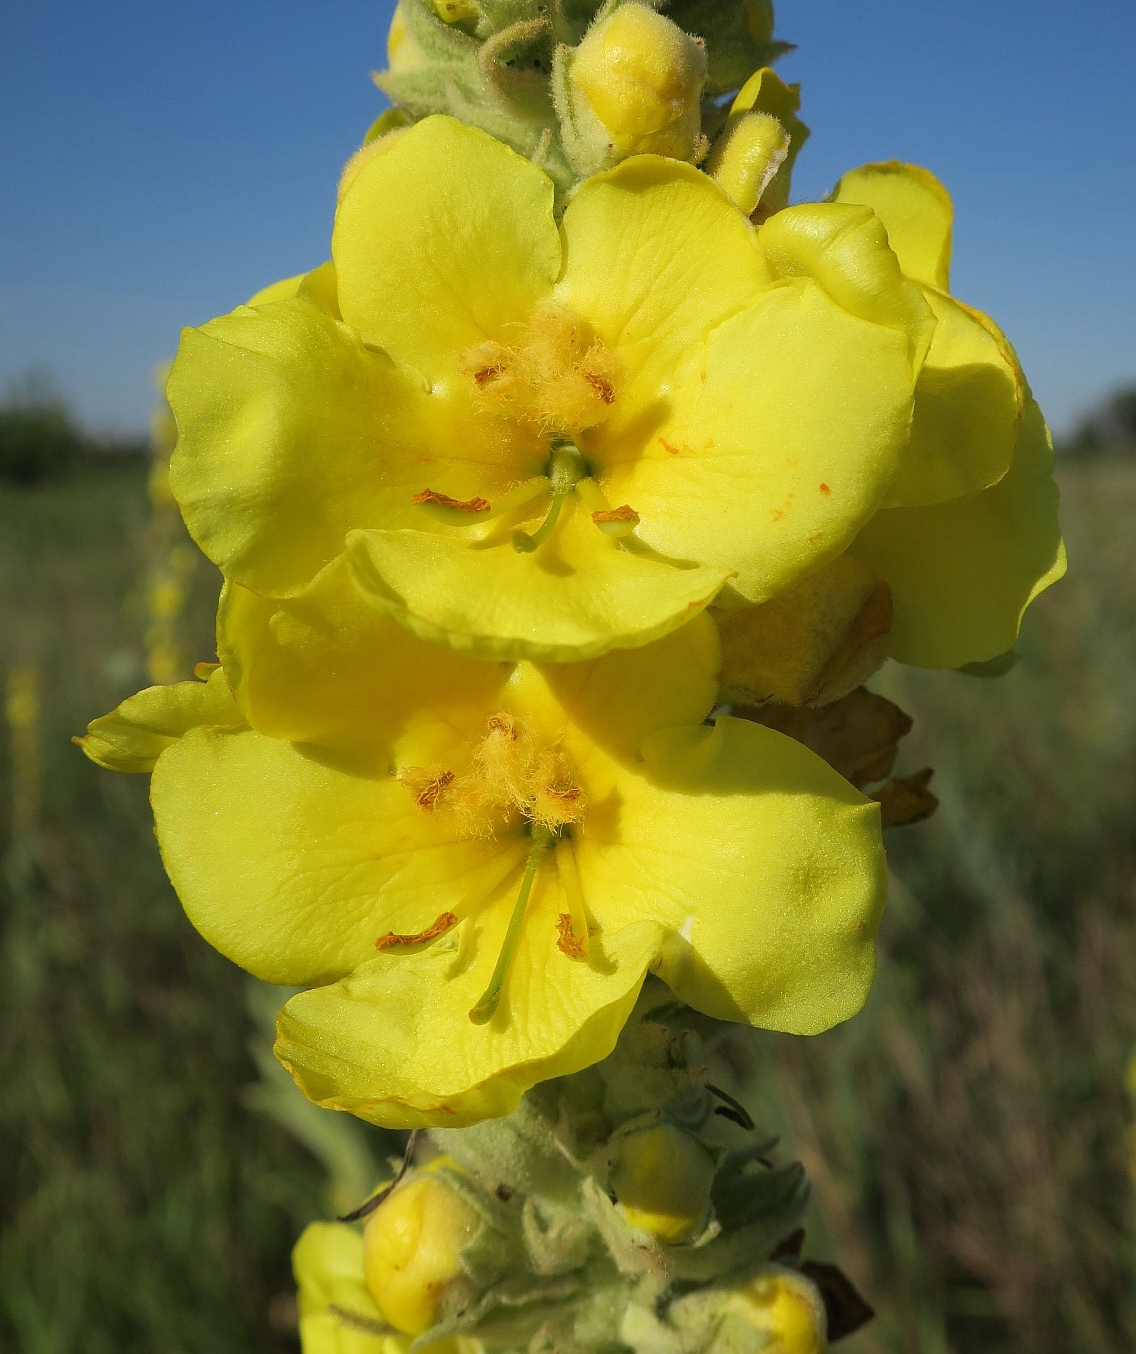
x,y
508,499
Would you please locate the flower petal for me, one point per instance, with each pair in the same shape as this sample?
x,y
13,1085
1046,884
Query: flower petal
x,y
290,433
655,256
968,402
962,573
393,1043
620,699
328,1264
326,667
765,866
135,734
292,865
916,211
782,445
442,241
577,596
278,411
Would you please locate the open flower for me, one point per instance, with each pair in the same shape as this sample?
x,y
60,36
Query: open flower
x,y
970,534
942,574
480,861
545,443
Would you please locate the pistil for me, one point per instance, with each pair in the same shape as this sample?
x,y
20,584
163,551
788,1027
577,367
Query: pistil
x,y
486,1007
566,468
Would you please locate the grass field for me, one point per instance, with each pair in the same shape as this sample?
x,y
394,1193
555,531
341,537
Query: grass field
x,y
967,1136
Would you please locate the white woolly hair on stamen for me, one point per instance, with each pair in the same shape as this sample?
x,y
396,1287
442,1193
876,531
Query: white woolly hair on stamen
x,y
509,775
557,375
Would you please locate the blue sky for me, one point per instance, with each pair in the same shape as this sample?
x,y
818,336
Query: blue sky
x,y
161,162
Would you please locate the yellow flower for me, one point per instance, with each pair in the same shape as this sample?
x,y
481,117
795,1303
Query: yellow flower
x,y
481,861
969,535
540,442
338,1315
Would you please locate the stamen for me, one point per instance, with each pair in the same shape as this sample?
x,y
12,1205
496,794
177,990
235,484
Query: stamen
x,y
434,498
569,943
437,928
578,914
427,787
565,470
484,1011
600,384
617,522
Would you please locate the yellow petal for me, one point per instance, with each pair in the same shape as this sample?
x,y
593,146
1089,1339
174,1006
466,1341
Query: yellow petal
x,y
133,736
845,250
394,1043
618,700
962,573
284,290
655,256
765,866
442,242
576,597
326,667
328,1265
292,866
318,286
916,211
290,433
765,92
968,402
779,447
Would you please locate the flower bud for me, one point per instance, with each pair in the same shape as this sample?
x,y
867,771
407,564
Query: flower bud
x,y
632,87
403,52
746,157
456,11
662,1178
412,1252
810,646
785,1307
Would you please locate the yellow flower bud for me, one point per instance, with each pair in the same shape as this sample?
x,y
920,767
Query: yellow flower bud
x,y
746,157
412,1252
403,53
456,11
662,1178
634,86
786,1308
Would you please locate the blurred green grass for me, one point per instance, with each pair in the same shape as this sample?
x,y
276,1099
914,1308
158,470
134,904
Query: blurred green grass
x,y
144,1208
965,1136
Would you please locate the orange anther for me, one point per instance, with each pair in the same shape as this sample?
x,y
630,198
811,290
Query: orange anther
x,y
624,513
445,501
437,928
601,385
569,942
